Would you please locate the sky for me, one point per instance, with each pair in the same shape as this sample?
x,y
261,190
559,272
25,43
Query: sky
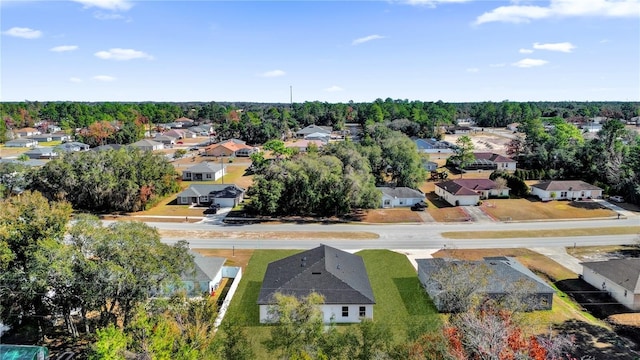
x,y
329,51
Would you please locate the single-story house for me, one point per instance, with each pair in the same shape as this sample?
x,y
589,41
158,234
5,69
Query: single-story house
x,y
204,171
313,129
459,129
340,277
399,196
318,136
202,130
430,165
41,153
72,146
466,192
619,277
167,141
24,132
21,143
225,195
303,145
206,276
107,147
492,278
41,137
148,145
492,161
565,189
60,136
185,121
231,147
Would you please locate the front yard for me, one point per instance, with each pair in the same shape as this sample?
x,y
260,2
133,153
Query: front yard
x,y
526,209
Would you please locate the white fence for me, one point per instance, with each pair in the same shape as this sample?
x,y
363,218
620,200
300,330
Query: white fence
x,y
236,274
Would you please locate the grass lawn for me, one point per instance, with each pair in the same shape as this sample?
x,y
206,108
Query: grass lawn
x,y
395,215
525,209
622,230
400,300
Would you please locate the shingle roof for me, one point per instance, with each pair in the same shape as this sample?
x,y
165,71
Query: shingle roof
x,y
400,192
206,267
496,158
146,142
339,276
206,167
313,129
624,272
466,186
205,189
562,185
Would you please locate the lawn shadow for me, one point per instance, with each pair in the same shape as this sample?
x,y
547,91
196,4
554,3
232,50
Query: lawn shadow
x,y
587,205
436,201
599,303
249,309
414,298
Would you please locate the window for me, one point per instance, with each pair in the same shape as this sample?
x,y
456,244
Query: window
x,y
208,176
363,311
563,194
345,311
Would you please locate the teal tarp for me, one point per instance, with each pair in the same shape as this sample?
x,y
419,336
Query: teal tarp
x,y
23,352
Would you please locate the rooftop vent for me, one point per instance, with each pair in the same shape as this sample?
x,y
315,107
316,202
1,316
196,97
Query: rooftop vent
x,y
303,264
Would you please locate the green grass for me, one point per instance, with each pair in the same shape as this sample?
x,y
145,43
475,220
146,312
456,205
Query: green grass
x,y
401,302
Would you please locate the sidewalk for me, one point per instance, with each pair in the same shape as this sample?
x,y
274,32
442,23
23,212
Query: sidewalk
x,y
615,208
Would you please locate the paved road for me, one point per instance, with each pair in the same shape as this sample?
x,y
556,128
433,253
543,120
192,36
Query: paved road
x,y
401,236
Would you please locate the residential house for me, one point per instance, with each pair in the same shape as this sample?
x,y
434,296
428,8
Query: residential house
x,y
231,147
21,143
60,136
459,129
303,145
430,165
26,132
565,190
490,278
513,127
107,147
148,145
318,136
399,196
311,129
204,171
619,277
340,277
167,141
41,137
432,146
468,192
492,161
206,276
202,130
186,122
72,147
41,153
225,195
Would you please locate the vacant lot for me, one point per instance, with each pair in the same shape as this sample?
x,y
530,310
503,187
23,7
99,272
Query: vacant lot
x,y
527,209
400,301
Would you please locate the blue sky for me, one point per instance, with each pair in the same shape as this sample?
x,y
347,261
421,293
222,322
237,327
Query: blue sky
x,y
334,51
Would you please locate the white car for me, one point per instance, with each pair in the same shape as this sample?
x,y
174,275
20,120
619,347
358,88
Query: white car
x,y
618,199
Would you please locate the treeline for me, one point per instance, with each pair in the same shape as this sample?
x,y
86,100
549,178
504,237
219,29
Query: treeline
x,y
256,123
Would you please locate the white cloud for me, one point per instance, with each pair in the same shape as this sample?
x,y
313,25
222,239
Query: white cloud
x,y
105,78
273,73
473,70
561,8
63,48
114,5
122,54
334,88
527,63
366,39
23,32
75,80
562,47
105,16
525,51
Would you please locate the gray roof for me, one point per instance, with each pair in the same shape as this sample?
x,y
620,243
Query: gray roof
x,y
400,192
146,143
314,129
570,185
206,267
505,271
108,147
45,150
206,167
205,189
624,272
337,275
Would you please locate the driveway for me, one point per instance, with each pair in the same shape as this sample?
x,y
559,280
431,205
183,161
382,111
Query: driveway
x,y
615,208
559,255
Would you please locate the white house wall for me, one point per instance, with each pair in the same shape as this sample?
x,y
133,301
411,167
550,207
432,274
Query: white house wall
x,y
460,200
624,297
545,195
330,313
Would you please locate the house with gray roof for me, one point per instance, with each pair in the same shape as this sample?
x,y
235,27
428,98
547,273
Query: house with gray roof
x,y
206,275
107,147
340,277
491,278
225,195
565,190
41,153
432,146
22,142
469,192
148,145
204,171
311,129
399,196
72,147
619,277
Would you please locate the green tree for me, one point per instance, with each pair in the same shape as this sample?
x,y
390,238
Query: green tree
x,y
277,148
463,156
234,342
111,344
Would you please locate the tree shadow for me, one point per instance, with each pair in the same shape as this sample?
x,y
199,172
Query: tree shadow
x,y
436,201
597,342
414,297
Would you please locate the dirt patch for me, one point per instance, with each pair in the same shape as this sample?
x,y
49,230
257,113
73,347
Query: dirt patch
x,y
239,257
532,209
396,215
266,235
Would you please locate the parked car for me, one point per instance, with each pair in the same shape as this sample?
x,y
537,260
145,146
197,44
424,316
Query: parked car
x,y
616,198
214,206
418,206
211,211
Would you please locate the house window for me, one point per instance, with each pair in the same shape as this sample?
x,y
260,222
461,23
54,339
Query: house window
x,y
625,293
387,202
563,194
345,311
363,311
208,176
